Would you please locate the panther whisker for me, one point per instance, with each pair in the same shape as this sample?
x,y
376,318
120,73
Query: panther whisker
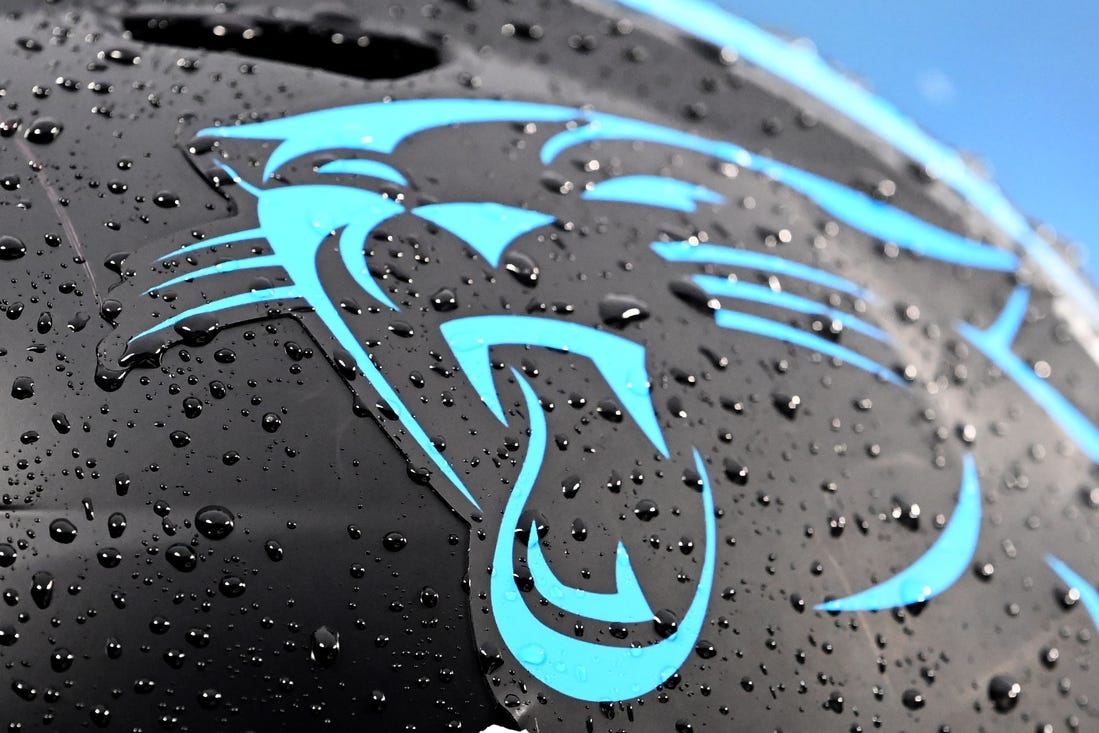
x,y
737,321
720,287
288,292
222,267
241,236
723,255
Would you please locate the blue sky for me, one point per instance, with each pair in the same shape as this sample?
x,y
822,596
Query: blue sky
x,y
1012,83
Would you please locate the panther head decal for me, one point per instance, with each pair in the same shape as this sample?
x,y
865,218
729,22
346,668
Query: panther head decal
x,y
377,256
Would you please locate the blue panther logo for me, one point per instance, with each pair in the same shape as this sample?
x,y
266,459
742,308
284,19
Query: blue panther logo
x,y
295,221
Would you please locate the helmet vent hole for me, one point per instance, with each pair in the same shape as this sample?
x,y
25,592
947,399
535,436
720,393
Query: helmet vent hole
x,y
330,41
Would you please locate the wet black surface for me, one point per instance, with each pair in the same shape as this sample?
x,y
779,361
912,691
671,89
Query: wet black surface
x,y
350,592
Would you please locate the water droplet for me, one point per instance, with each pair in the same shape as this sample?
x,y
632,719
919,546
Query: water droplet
x,y
665,622
121,56
579,530
22,388
351,306
429,597
62,530
906,512
24,690
693,295
198,638
913,699
42,131
646,510
100,715
113,648
345,363
394,541
325,646
787,405
28,44
109,379
210,699
11,248
181,557
214,522
108,557
116,525
166,199
619,310
705,649
736,472
489,658
192,407
42,589
609,410
401,328
523,268
1004,692
61,659
198,330
274,550
444,300
232,586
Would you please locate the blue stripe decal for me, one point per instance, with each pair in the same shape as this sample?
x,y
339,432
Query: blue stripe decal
x,y
381,127
995,342
1087,591
575,667
244,236
668,193
720,255
805,69
890,223
611,127
620,361
627,604
737,321
935,570
721,287
352,243
253,297
248,263
360,167
487,227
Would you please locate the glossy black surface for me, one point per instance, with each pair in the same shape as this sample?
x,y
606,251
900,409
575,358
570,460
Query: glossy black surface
x,y
129,607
